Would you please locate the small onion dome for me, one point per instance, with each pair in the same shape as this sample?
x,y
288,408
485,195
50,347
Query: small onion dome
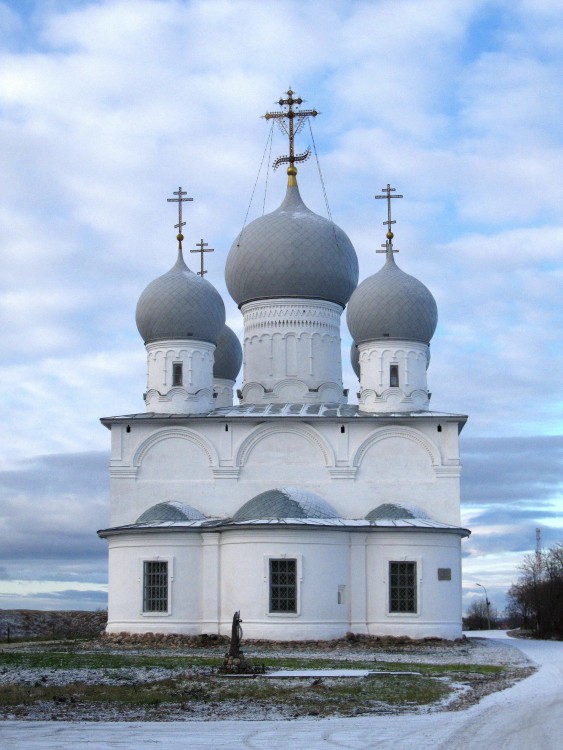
x,y
285,502
394,512
180,305
292,252
171,510
228,355
392,304
355,359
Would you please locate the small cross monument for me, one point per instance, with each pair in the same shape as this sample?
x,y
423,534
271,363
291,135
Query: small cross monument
x,y
200,248
388,248
179,200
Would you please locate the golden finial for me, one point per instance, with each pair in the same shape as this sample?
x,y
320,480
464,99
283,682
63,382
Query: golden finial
x,y
388,246
179,200
291,113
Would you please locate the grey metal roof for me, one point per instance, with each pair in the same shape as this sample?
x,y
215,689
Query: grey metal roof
x,y
395,512
180,305
272,412
392,304
285,502
292,252
171,510
343,524
228,355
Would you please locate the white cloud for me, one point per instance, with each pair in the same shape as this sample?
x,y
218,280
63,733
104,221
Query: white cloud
x,y
105,107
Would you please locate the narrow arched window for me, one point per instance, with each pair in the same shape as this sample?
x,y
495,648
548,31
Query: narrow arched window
x,y
176,373
394,376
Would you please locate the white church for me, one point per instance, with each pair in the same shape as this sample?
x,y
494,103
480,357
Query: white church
x,y
312,516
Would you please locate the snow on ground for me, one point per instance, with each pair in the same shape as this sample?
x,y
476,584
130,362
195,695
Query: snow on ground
x,y
528,715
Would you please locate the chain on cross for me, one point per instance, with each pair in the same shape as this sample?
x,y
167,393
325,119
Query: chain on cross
x,y
179,200
291,114
388,246
201,248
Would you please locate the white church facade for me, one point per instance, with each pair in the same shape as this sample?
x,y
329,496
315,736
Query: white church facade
x,y
311,516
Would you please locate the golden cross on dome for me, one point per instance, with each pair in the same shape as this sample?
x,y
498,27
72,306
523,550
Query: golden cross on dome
x,y
291,113
388,246
179,200
202,245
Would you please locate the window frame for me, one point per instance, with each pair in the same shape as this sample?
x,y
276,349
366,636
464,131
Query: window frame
x,y
142,582
177,367
416,584
267,585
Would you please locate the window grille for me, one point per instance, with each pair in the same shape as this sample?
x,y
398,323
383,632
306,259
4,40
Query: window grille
x,y
402,587
283,585
155,586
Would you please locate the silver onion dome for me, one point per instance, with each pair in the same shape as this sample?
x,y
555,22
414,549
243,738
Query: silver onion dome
x,y
180,305
355,359
292,252
285,502
392,304
228,355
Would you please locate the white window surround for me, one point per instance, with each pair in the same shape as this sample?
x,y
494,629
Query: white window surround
x,y
403,558
141,583
266,588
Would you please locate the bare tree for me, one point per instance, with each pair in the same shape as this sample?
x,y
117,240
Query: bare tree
x,y
477,617
535,602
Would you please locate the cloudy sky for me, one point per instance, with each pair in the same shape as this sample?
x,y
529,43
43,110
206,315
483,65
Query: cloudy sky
x,y
107,106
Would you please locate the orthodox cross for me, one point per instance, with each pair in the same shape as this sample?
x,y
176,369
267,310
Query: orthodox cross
x,y
179,200
388,246
202,245
290,114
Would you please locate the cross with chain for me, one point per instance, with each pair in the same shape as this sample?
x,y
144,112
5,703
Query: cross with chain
x,y
202,245
290,114
388,246
179,200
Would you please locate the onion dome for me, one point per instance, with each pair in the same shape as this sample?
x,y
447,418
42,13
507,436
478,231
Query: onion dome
x,y
171,510
395,512
292,252
228,355
355,359
285,502
180,305
392,304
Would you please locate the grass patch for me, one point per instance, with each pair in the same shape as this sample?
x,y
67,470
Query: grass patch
x,y
325,697
100,660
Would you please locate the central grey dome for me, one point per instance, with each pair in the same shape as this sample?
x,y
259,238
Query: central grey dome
x,y
180,305
292,252
392,304
286,502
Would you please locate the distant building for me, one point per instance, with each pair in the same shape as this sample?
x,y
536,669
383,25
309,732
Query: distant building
x,y
310,516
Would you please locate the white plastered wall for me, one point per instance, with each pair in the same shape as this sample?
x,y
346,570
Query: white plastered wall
x,y
342,582
218,465
292,352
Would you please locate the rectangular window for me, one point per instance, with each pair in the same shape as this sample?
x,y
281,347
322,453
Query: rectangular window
x,y
177,373
394,376
444,574
155,586
283,585
402,587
